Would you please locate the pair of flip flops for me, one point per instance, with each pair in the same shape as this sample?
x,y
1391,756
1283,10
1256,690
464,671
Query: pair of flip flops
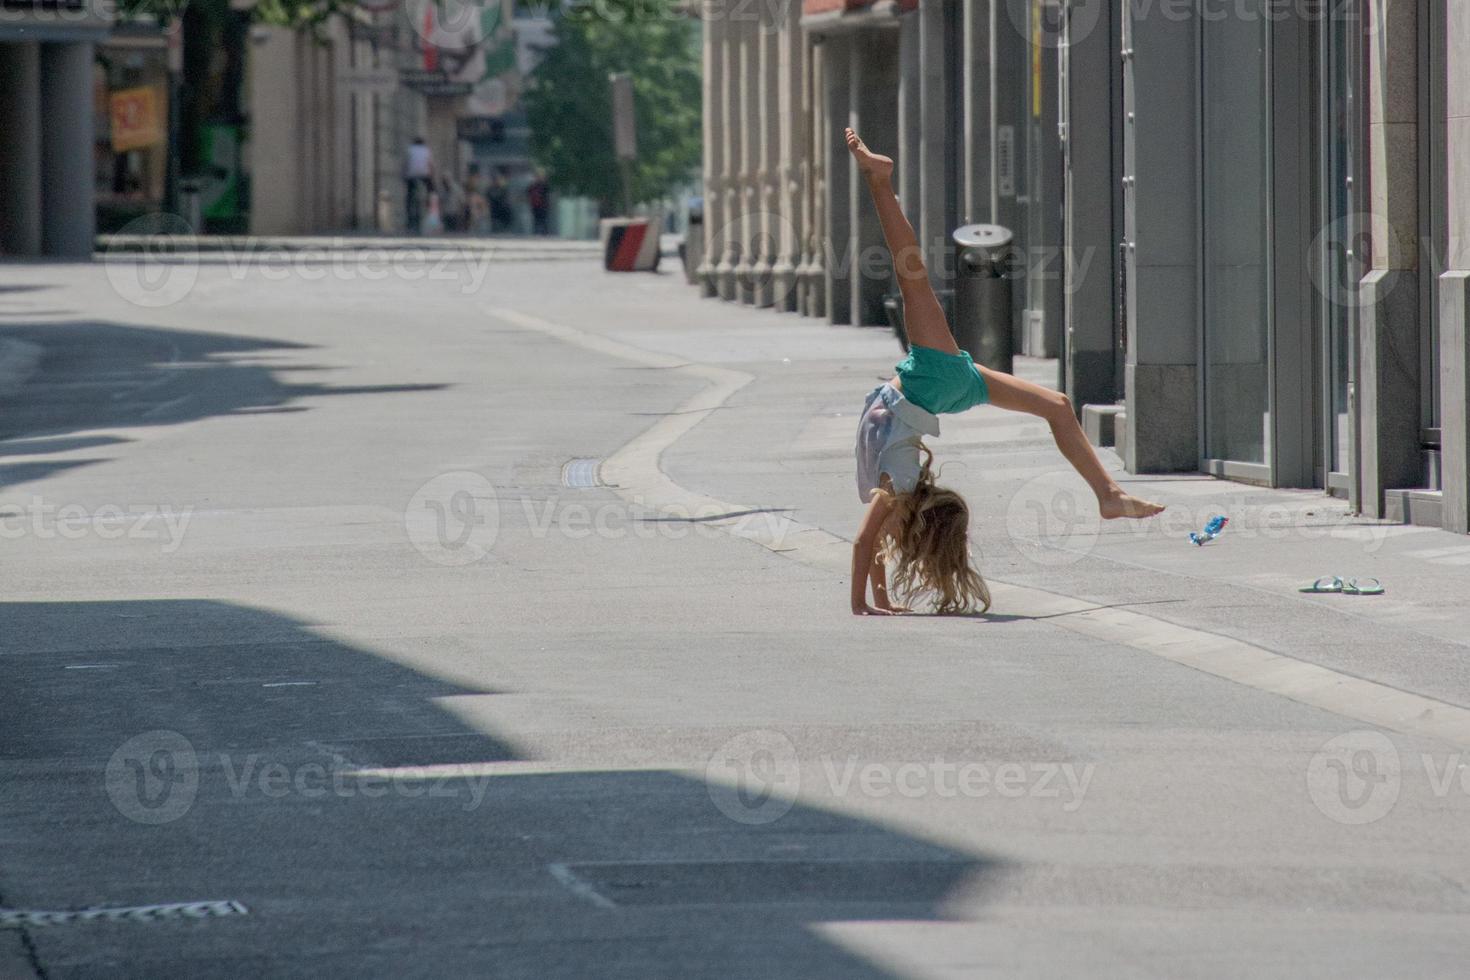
x,y
1353,586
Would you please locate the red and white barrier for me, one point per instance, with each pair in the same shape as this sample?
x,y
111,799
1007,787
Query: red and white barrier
x,y
630,244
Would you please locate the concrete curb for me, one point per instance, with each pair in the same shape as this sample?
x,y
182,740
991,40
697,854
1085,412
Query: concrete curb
x,y
19,360
635,474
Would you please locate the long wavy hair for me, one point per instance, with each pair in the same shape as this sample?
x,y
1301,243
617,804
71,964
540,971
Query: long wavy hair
x,y
928,548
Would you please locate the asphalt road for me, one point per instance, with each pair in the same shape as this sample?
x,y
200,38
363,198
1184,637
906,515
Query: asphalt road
x,y
487,617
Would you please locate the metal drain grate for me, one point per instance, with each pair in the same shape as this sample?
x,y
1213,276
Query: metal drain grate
x,y
582,474
21,918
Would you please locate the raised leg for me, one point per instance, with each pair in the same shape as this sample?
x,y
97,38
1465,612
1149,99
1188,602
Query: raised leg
x,y
1017,395
923,317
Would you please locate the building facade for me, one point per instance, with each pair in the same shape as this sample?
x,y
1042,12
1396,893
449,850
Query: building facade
x,y
47,122
1242,226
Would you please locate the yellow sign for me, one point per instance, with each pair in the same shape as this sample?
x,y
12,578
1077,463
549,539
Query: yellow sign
x,y
137,121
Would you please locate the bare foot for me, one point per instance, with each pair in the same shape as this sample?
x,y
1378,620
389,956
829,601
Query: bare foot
x,y
869,164
1121,504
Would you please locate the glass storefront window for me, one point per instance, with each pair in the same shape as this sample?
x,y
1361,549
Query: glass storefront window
x,y
1236,239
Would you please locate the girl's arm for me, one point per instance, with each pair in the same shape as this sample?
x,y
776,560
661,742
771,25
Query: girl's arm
x,y
878,576
864,553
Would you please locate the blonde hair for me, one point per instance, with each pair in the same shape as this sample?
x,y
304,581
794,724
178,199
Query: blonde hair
x,y
928,547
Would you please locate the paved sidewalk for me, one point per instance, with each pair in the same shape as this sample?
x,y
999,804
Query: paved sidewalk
x,y
785,442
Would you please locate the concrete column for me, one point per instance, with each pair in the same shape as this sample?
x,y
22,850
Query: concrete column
x,y
1091,348
837,60
1454,284
20,149
976,115
276,150
935,127
750,143
1044,324
68,191
1454,388
817,232
714,146
873,112
910,117
1388,380
1161,201
793,157
768,170
730,123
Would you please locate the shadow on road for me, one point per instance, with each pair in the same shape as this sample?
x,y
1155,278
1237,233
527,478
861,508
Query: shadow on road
x,y
98,375
165,751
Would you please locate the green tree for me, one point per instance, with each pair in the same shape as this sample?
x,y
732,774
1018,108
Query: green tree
x,y
569,102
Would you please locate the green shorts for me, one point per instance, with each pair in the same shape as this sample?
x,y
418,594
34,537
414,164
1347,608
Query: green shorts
x,y
945,384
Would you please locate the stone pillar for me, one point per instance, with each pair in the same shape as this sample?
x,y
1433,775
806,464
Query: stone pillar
x,y
817,193
1091,348
873,112
714,146
936,126
1388,381
730,123
977,110
68,191
1161,201
792,172
768,177
1454,284
20,149
837,60
750,139
910,117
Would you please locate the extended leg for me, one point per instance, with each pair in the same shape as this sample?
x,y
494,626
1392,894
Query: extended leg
x,y
1016,395
923,317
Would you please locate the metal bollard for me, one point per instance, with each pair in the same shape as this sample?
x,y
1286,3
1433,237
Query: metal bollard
x,y
982,303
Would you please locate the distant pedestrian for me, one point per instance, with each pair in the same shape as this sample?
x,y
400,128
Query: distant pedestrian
x,y
501,216
418,172
539,196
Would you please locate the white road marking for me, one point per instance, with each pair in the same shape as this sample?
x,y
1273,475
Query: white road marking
x,y
634,472
579,887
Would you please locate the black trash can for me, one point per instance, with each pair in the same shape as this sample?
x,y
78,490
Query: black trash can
x,y
982,318
691,250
